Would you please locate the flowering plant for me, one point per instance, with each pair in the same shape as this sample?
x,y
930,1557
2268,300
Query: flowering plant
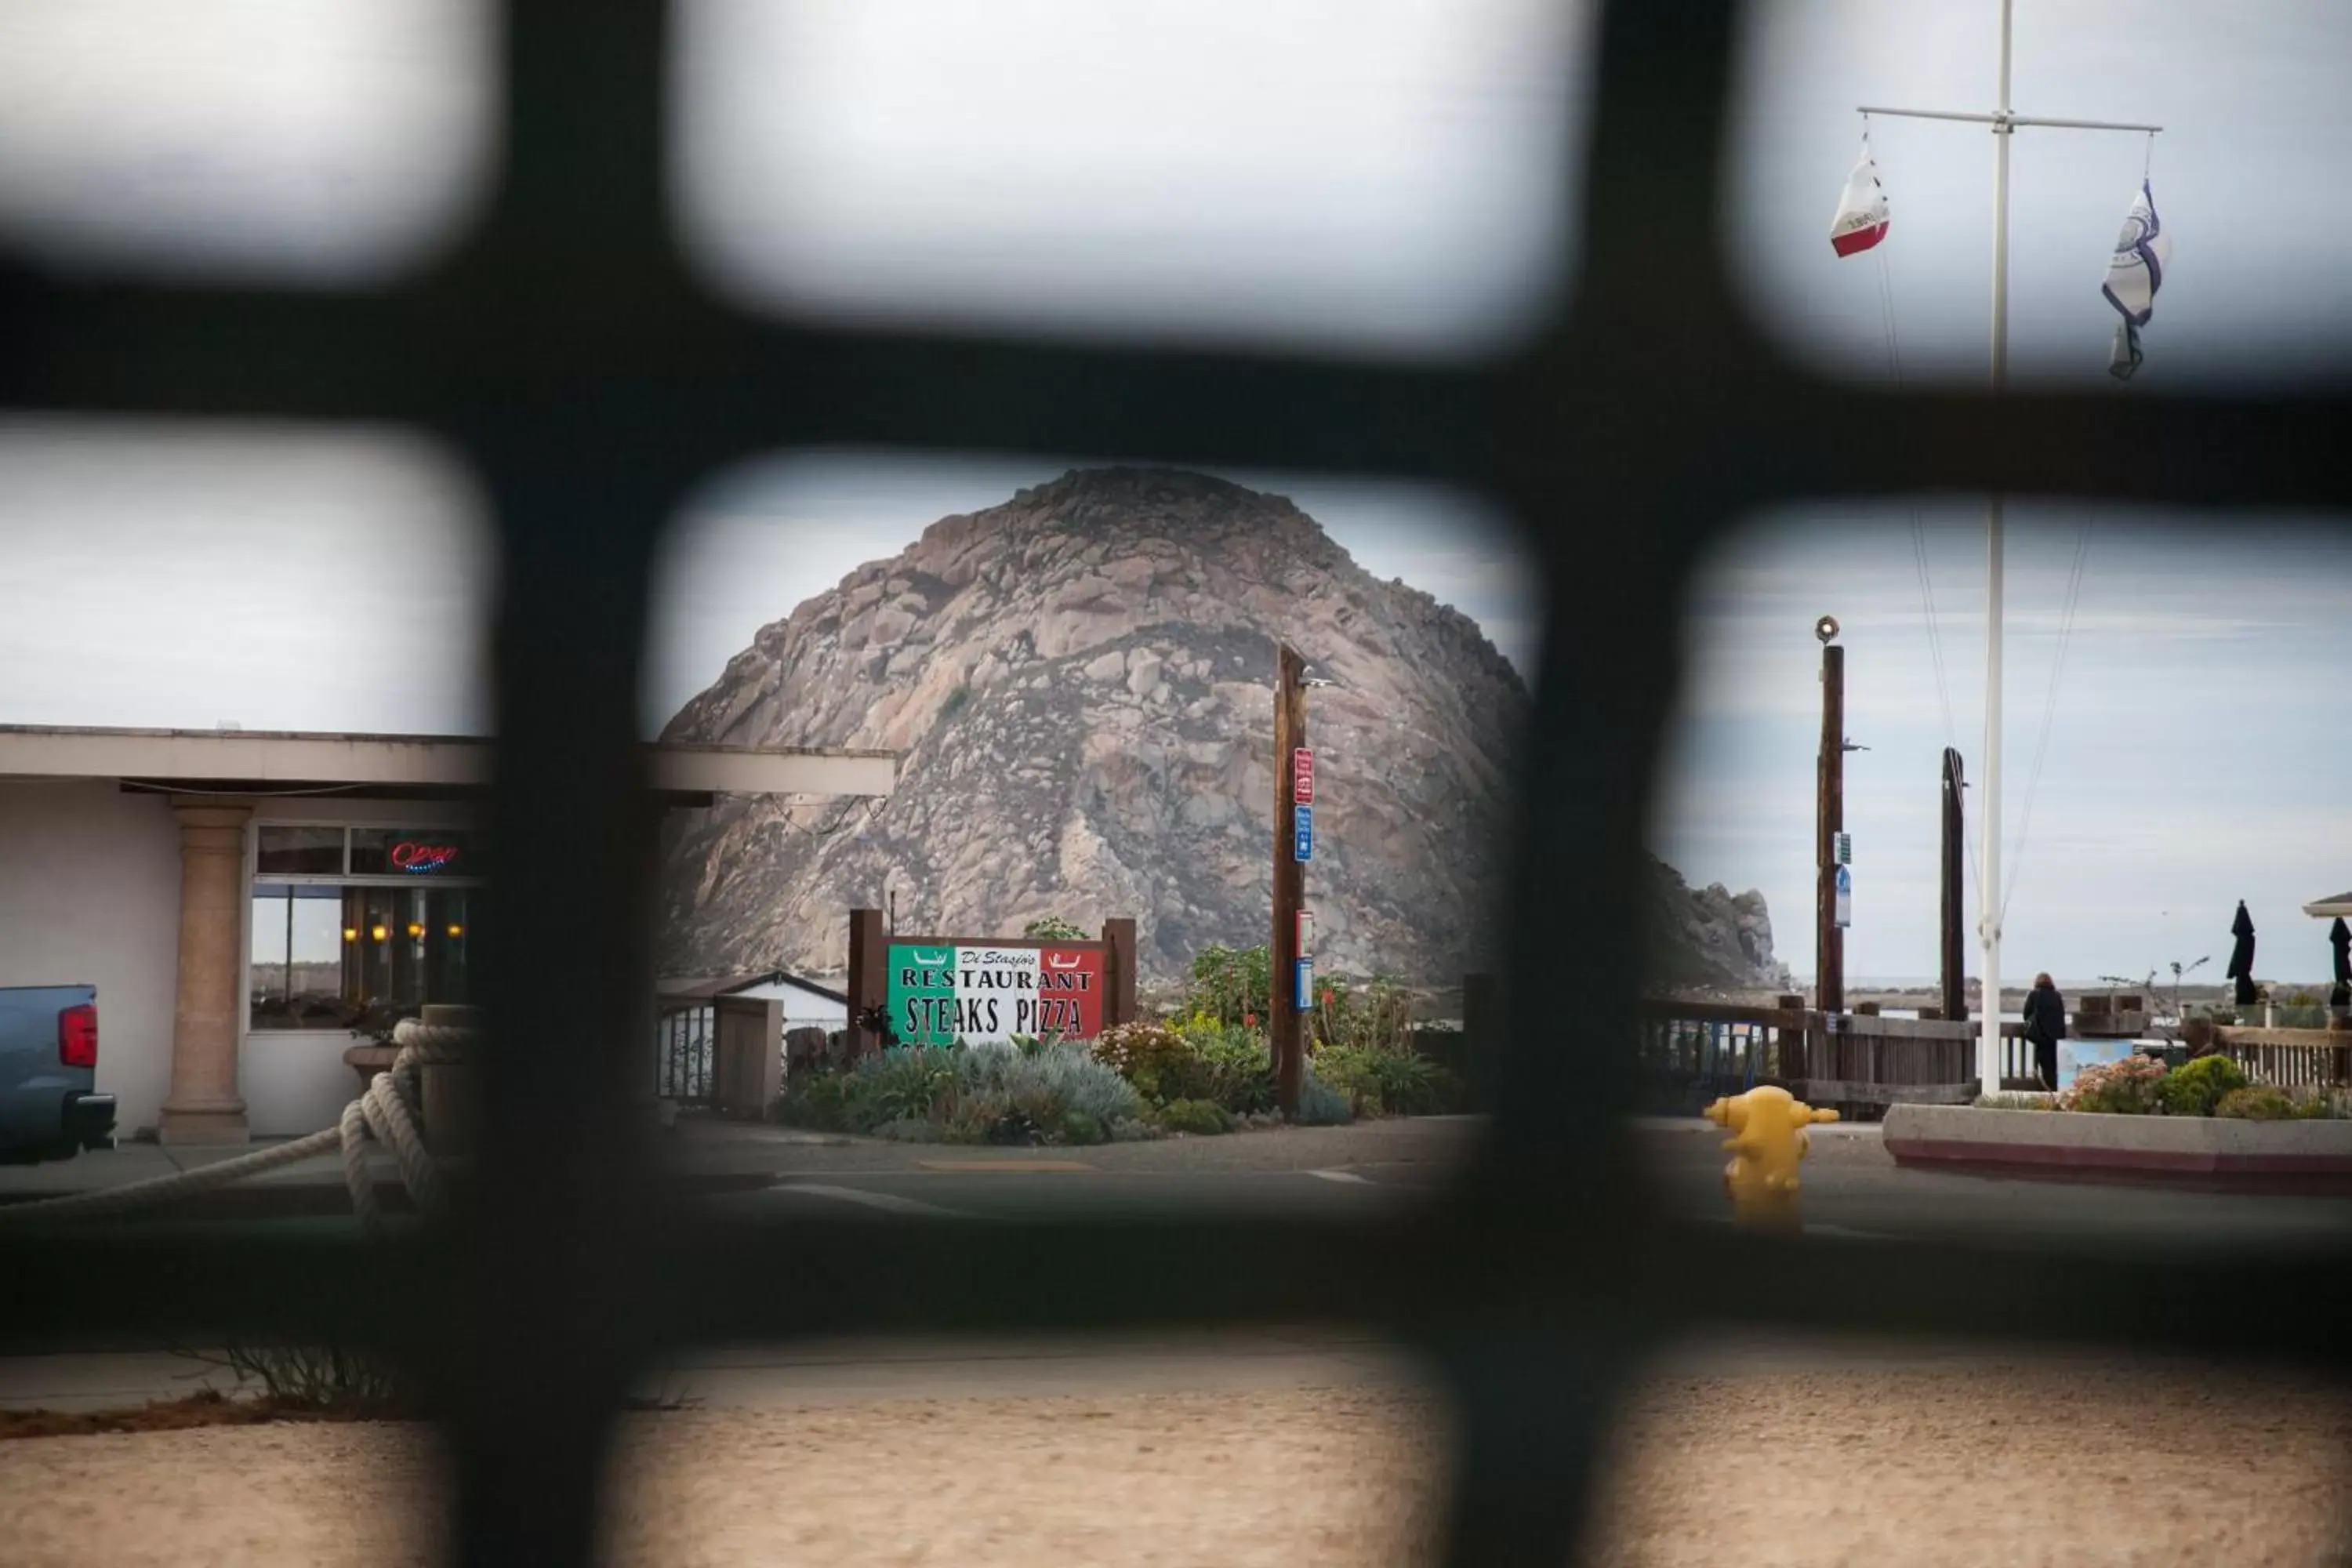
x,y
2128,1087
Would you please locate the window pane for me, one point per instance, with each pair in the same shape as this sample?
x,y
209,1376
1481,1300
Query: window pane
x,y
413,852
448,933
297,958
298,851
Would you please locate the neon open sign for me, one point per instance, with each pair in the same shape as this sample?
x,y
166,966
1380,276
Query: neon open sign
x,y
422,857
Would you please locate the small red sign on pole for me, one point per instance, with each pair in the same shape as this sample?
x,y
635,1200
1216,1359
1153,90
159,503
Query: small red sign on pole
x,y
1302,776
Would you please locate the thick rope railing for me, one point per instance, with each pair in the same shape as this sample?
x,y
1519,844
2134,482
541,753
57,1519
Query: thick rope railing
x,y
387,1114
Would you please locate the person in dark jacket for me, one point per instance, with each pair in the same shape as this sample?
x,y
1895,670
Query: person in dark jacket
x,y
2046,1026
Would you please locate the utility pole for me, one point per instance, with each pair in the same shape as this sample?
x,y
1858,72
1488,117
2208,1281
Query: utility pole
x,y
1829,821
1955,995
1284,1021
2004,124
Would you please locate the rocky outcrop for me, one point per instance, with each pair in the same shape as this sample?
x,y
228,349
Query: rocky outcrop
x,y
1080,682
1710,937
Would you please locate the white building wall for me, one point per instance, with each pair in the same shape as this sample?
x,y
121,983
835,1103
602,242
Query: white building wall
x,y
90,893
803,1008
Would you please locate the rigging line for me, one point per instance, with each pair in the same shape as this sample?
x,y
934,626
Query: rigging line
x,y
2049,711
1918,530
1927,581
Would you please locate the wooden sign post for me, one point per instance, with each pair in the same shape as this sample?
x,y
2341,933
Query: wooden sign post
x,y
1949,952
1829,934
1293,845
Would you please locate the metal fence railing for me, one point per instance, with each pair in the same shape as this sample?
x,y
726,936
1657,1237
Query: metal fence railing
x,y
574,361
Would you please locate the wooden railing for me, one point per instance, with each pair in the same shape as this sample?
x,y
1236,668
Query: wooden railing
x,y
2291,1058
1859,1063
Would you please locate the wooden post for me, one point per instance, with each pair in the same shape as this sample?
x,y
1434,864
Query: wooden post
x,y
1119,972
869,977
1956,992
1788,1044
1482,1039
1284,1021
1828,941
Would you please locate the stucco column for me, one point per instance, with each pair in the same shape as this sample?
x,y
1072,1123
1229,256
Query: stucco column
x,y
204,1106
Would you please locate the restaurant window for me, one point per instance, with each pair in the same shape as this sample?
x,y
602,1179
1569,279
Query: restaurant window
x,y
356,927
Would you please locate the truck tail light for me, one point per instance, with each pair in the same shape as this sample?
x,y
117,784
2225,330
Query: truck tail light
x,y
77,1037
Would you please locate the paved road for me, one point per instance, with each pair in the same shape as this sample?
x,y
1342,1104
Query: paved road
x,y
1851,1186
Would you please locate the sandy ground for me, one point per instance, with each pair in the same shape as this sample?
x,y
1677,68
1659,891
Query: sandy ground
x,y
2043,1465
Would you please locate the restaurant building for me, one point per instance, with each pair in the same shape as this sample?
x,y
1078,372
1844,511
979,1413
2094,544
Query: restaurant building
x,y
251,905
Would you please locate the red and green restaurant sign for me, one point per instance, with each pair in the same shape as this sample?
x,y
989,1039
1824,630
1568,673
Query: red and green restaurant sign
x,y
943,992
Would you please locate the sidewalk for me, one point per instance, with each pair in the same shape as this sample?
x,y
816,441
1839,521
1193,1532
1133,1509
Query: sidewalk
x,y
127,1163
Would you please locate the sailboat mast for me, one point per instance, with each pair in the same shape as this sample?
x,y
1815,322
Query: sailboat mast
x,y
1989,1049
2004,122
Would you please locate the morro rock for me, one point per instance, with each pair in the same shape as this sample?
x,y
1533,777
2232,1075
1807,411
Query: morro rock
x,y
1081,684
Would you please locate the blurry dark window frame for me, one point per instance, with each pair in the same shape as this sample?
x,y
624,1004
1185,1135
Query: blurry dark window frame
x,y
566,351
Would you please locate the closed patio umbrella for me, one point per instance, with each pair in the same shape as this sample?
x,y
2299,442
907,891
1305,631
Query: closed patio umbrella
x,y
2339,937
2242,957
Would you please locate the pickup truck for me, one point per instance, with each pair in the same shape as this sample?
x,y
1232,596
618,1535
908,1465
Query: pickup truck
x,y
49,1107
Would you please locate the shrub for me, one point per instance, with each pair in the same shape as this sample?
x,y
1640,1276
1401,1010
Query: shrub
x,y
334,1377
1161,1062
1042,1089
1052,928
1319,1105
955,702
903,1083
2128,1088
818,1100
1201,1115
2195,1088
1348,1070
1233,985
1378,1016
2268,1103
1030,1044
2256,1102
1380,1081
1078,1127
1237,1070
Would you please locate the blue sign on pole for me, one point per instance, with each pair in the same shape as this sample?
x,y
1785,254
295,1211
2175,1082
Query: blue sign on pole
x,y
1302,845
1303,989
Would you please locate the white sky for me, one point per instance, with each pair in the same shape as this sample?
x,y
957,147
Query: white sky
x,y
1383,176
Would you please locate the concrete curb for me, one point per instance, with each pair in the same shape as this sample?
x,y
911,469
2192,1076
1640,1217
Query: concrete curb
x,y
2203,1151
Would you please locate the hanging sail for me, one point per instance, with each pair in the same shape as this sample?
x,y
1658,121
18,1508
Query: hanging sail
x,y
2134,276
1861,213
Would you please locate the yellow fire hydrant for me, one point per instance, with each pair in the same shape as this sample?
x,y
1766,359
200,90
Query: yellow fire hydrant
x,y
1768,1138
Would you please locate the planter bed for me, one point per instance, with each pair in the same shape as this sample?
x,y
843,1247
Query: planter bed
x,y
2200,1151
